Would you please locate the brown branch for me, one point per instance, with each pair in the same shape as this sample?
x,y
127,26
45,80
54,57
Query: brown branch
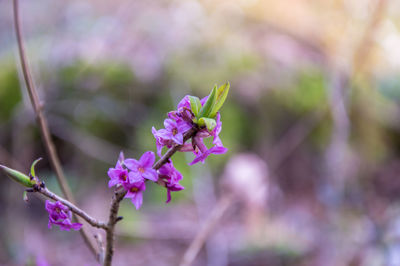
x,y
92,221
363,49
120,194
202,235
37,106
113,219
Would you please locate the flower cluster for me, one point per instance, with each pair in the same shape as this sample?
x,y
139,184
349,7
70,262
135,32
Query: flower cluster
x,y
179,122
200,116
131,175
60,215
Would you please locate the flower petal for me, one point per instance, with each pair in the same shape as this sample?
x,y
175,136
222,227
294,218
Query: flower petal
x,y
164,134
200,157
76,226
150,174
134,177
178,138
183,127
168,196
132,164
147,159
113,182
218,150
137,200
169,124
186,147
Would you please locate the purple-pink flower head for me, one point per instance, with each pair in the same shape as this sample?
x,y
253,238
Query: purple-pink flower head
x,y
173,133
143,167
174,130
215,132
135,191
172,177
202,152
118,175
183,112
160,141
184,103
60,215
169,173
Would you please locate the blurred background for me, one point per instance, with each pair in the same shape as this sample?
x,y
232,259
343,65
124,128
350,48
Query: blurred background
x,y
312,123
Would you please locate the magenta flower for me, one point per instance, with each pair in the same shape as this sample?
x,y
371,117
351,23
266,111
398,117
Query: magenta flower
x,y
173,133
174,130
60,215
215,132
143,167
160,141
169,173
184,103
118,175
172,176
201,156
135,191
183,112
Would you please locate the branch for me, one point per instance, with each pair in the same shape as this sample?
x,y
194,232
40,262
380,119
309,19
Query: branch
x,y
92,221
37,106
120,194
202,235
113,219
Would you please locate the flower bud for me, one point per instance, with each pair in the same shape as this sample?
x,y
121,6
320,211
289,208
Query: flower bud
x,y
195,105
208,122
18,176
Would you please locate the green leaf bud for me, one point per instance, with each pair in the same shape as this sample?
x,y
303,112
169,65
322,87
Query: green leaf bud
x,y
195,105
210,123
222,93
209,104
18,176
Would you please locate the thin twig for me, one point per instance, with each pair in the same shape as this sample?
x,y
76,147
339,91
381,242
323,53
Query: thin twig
x,y
92,221
120,194
117,198
363,49
37,106
202,235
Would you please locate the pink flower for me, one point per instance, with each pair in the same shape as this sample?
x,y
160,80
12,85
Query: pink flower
x,y
169,173
173,132
60,215
183,112
118,175
135,191
143,167
202,156
172,177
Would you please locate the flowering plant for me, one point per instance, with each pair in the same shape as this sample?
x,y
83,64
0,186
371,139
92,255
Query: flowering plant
x,y
185,131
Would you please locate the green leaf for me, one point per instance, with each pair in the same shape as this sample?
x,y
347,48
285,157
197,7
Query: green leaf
x,y
208,122
17,176
222,93
33,167
195,105
209,104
